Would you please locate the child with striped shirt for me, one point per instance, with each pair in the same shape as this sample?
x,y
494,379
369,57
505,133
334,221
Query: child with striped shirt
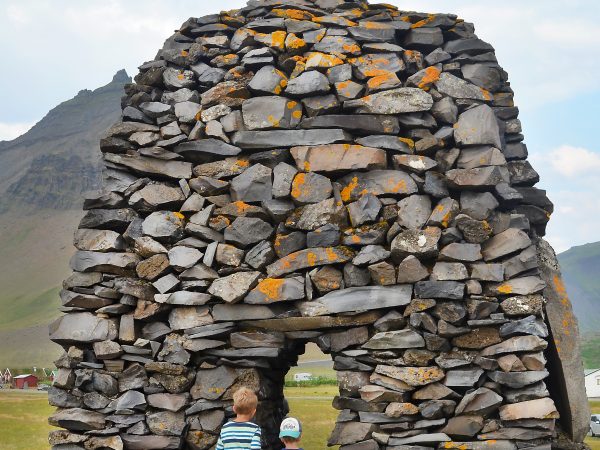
x,y
241,433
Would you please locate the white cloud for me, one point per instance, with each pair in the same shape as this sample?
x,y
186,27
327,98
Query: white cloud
x,y
10,131
17,15
574,161
570,176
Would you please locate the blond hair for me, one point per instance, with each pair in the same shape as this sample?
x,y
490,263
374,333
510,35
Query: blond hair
x,y
244,401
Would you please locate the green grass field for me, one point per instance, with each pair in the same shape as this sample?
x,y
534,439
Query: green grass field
x,y
23,415
23,424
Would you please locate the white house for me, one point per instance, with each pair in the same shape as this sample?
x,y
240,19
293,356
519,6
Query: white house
x,y
592,383
303,376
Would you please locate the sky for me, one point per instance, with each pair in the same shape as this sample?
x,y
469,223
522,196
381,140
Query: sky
x,y
550,49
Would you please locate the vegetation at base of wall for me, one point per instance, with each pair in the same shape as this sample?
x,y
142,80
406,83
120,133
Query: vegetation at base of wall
x,y
315,381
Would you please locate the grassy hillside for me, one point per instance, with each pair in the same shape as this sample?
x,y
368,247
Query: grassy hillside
x,y
34,258
43,177
580,267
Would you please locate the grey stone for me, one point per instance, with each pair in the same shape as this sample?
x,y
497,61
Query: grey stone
x,y
461,252
363,123
247,230
253,185
182,258
370,254
563,364
271,112
517,380
458,88
530,325
478,126
77,419
445,110
393,101
82,327
310,188
478,206
519,286
477,178
163,225
365,209
188,317
414,211
307,84
205,150
334,157
420,243
505,243
452,290
361,299
317,215
463,377
272,290
411,270
443,271
234,287
268,80
400,339
151,442
152,166
413,376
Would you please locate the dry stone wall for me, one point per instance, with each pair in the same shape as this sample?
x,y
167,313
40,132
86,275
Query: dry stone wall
x,y
313,171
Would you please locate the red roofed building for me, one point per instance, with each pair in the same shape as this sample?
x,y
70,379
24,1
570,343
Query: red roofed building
x,y
26,381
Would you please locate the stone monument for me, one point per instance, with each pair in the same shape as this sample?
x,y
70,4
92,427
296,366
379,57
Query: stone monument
x,y
322,171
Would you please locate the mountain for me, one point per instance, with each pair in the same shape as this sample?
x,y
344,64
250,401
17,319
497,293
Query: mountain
x,y
580,268
44,175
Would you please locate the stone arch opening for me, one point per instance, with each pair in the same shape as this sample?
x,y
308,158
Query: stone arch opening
x,y
317,165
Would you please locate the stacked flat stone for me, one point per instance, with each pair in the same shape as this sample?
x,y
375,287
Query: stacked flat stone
x,y
311,171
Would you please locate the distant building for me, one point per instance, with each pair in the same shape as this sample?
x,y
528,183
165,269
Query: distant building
x,y
26,381
592,383
303,376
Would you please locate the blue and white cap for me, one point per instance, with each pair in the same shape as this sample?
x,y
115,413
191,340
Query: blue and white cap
x,y
290,427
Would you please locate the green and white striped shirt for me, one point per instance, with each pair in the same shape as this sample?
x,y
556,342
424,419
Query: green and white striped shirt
x,y
239,436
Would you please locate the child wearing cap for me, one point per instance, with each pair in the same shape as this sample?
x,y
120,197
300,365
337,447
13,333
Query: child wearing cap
x,y
241,433
290,432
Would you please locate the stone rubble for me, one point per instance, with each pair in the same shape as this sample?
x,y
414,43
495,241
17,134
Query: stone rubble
x,y
322,171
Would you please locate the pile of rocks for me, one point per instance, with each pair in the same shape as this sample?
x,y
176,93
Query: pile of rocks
x,y
326,171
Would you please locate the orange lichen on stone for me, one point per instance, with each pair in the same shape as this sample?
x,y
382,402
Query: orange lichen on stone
x,y
179,215
505,288
298,185
408,142
446,219
241,207
380,80
297,114
293,42
270,287
295,14
323,60
338,20
184,53
306,166
331,255
422,23
486,94
278,40
397,187
369,25
311,259
274,122
346,193
432,75
351,48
